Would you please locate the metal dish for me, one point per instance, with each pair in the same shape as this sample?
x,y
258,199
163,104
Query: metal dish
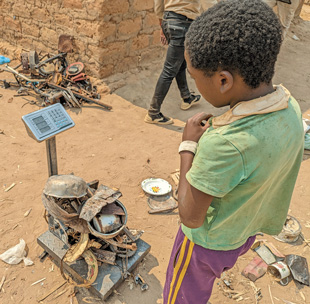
x,y
156,186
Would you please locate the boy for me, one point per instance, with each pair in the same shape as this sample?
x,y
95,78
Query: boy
x,y
238,170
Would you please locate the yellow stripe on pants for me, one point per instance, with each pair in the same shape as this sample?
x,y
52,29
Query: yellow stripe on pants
x,y
177,267
188,258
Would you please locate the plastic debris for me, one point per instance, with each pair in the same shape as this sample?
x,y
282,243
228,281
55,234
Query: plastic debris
x,y
255,269
16,254
4,59
299,268
307,141
290,232
264,252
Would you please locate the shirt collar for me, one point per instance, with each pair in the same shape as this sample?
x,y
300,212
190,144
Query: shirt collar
x,y
276,101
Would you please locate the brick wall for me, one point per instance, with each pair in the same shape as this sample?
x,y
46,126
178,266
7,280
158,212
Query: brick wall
x,y
111,36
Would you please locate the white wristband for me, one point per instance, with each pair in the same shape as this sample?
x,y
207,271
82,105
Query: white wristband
x,y
188,145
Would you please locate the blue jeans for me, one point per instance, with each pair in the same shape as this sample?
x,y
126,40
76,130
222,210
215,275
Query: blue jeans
x,y
174,27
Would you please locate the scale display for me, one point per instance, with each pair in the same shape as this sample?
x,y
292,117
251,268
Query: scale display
x,y
47,122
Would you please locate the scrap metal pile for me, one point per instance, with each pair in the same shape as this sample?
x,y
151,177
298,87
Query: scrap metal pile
x,y
91,221
53,79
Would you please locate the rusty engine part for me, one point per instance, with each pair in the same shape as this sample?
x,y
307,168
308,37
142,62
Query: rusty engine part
x,y
80,215
33,61
53,80
75,69
65,44
25,62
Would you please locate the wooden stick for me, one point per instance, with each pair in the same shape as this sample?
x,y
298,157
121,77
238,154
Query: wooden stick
x,y
155,211
52,291
270,294
9,188
59,294
2,282
38,282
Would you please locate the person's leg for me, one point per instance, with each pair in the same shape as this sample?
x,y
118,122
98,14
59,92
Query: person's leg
x,y
182,81
173,62
286,14
192,270
299,8
188,99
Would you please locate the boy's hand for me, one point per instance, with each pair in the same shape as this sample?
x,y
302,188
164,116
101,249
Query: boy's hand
x,y
196,126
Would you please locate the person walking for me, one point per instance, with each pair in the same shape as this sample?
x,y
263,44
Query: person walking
x,y
175,17
286,11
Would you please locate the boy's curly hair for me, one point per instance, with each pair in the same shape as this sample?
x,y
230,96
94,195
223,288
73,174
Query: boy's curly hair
x,y
242,36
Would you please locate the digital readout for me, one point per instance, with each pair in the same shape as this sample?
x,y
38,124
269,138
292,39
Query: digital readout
x,y
41,124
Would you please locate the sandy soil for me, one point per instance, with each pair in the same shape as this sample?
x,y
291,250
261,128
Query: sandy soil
x,y
120,150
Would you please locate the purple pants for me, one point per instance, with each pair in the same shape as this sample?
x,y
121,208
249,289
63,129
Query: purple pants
x,y
192,270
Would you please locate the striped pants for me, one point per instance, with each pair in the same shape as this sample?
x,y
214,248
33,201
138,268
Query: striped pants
x,y
192,270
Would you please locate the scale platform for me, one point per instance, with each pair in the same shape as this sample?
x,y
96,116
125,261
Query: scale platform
x,y
109,276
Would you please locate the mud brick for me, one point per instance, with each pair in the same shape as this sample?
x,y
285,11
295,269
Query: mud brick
x,y
111,7
20,10
95,52
63,20
73,4
105,30
12,24
156,38
49,36
150,20
31,30
130,26
87,28
140,42
143,5
40,14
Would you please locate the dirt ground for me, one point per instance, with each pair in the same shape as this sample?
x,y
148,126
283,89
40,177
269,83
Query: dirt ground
x,y
120,150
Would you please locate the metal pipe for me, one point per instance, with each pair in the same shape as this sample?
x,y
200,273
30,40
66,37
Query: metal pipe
x,y
9,69
51,156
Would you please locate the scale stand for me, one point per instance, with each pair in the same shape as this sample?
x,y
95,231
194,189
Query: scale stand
x,y
44,125
51,156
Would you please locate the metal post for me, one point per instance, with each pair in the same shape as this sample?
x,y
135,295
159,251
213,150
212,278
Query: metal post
x,y
51,156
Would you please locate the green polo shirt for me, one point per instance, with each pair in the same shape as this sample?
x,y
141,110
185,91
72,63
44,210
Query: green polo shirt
x,y
250,166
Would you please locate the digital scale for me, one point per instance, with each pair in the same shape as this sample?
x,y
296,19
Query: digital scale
x,y
44,125
48,122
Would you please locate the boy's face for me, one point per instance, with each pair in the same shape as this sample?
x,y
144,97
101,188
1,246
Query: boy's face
x,y
214,89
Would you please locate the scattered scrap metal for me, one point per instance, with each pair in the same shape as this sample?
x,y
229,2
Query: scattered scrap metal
x,y
91,221
284,268
53,79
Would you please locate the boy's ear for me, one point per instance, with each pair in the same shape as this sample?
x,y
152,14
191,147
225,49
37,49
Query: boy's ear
x,y
226,80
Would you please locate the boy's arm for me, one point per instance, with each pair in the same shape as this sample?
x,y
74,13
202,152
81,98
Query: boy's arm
x,y
215,170
193,204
